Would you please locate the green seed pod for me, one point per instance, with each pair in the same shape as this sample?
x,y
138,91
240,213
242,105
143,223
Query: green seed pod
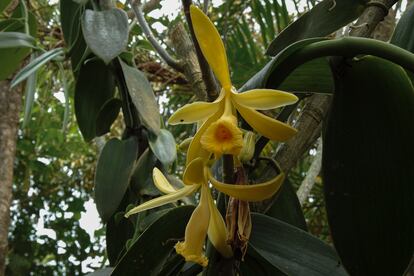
x,y
368,167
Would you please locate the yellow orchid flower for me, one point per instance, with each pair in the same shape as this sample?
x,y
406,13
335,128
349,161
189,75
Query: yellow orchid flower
x,y
206,218
219,126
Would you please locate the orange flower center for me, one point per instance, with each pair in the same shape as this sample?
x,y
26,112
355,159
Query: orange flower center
x,y
223,133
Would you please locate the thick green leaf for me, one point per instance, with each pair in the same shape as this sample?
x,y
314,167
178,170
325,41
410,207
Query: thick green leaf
x,y
254,265
266,77
141,180
312,76
403,35
150,251
102,272
107,115
11,58
106,32
142,96
287,207
34,65
113,173
291,250
368,166
322,20
15,40
95,86
163,146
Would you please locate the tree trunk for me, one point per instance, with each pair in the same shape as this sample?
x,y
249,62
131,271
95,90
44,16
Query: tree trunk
x,y
10,104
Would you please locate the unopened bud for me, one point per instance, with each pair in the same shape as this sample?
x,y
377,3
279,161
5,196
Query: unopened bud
x,y
183,146
249,142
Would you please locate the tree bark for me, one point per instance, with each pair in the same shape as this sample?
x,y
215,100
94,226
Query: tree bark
x,y
10,104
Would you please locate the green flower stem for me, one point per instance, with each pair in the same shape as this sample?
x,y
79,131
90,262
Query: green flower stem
x,y
347,47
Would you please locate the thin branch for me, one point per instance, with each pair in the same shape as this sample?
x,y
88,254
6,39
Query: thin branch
x,y
307,183
137,8
205,6
208,77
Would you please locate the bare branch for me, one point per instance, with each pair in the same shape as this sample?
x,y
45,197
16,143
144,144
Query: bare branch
x,y
137,8
307,184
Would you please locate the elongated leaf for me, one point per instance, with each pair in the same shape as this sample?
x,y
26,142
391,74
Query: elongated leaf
x,y
163,146
150,251
16,39
263,78
102,272
113,173
312,76
107,115
12,57
287,207
322,20
142,96
94,87
29,95
34,65
141,180
106,32
367,167
403,35
292,250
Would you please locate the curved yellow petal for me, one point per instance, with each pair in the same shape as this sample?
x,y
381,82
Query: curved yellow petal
x,y
195,149
266,126
194,112
264,99
159,201
196,231
211,45
217,231
254,192
161,182
194,172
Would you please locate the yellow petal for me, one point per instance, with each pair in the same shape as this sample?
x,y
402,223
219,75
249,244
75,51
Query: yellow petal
x,y
211,45
196,231
195,149
223,137
161,182
264,99
194,112
194,172
266,126
254,192
217,231
162,200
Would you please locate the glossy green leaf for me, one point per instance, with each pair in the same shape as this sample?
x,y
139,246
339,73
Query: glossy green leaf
x,y
403,35
367,167
106,32
141,180
163,146
291,250
150,251
15,40
313,76
34,65
107,115
255,264
323,19
142,96
29,95
11,58
113,173
268,76
94,87
287,207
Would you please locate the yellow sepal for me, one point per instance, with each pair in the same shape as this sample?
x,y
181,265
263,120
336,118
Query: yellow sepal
x,y
211,45
161,182
254,192
263,99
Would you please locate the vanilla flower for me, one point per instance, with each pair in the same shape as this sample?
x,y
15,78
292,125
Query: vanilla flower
x,y
228,102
